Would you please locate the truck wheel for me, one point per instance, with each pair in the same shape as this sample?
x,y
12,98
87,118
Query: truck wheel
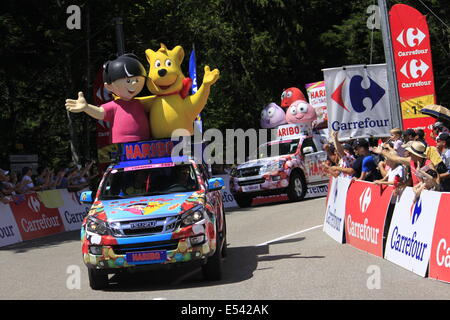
x,y
297,187
97,281
243,201
212,270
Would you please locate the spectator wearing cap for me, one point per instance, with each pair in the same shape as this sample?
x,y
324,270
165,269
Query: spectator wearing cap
x,y
364,166
438,127
443,147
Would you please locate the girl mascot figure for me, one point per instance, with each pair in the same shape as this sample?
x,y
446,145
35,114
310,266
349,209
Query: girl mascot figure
x,y
125,77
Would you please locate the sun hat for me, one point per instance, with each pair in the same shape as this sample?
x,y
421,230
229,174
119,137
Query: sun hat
x,y
417,148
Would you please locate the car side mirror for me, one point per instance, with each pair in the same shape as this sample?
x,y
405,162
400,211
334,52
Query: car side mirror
x,y
86,197
215,184
307,150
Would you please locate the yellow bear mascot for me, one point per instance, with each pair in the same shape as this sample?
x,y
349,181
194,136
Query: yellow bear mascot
x,y
169,108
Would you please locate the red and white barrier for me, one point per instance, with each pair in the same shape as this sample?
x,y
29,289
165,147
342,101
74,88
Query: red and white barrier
x,y
365,215
40,214
333,224
418,237
440,248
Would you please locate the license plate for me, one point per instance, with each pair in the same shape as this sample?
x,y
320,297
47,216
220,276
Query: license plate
x,y
254,187
146,257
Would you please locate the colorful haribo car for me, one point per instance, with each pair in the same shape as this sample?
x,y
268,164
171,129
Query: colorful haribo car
x,y
151,211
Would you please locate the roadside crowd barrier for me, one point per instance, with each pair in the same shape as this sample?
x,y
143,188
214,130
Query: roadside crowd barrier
x,y
412,233
40,214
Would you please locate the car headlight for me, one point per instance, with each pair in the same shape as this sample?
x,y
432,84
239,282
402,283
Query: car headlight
x,y
191,217
272,166
97,226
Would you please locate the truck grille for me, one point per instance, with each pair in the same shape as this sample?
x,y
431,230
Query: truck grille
x,y
147,226
147,246
250,182
133,232
248,172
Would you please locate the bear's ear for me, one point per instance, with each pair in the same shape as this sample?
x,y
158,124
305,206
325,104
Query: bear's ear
x,y
148,54
178,52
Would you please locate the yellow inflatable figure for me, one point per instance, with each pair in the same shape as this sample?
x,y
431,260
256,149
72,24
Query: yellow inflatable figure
x,y
169,109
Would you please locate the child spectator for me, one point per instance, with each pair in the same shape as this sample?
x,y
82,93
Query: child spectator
x,y
397,141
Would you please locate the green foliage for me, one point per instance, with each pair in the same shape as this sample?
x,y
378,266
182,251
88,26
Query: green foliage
x,y
259,46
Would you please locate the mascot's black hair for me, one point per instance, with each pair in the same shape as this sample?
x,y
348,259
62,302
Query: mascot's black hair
x,y
125,66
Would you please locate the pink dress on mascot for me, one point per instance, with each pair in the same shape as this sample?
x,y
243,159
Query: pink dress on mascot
x,y
272,116
301,112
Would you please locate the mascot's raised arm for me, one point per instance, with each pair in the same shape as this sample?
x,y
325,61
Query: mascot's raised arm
x,y
125,77
171,107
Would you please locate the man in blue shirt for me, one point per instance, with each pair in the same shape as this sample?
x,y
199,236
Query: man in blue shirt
x,y
364,167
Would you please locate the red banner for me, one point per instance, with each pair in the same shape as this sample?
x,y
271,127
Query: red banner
x,y
440,248
366,209
413,61
33,219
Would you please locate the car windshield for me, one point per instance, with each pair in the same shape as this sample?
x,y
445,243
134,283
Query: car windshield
x,y
276,148
123,183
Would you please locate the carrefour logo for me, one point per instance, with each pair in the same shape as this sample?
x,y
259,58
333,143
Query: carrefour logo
x,y
416,211
411,38
414,68
361,98
365,199
34,204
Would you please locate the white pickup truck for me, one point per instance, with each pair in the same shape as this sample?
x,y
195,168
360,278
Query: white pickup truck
x,y
290,165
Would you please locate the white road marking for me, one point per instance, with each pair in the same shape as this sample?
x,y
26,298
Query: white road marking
x,y
289,235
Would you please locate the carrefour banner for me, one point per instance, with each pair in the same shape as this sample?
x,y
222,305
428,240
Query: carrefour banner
x,y
411,230
227,196
333,224
365,216
34,219
358,101
9,232
72,211
440,248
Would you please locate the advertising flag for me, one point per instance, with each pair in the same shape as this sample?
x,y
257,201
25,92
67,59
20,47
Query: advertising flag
x,y
358,101
413,65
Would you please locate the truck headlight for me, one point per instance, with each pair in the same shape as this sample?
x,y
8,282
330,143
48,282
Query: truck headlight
x,y
97,226
272,166
191,217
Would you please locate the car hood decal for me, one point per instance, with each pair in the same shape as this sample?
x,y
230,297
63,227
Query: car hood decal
x,y
148,206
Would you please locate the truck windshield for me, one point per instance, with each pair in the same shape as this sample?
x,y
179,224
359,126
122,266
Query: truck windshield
x,y
123,183
277,148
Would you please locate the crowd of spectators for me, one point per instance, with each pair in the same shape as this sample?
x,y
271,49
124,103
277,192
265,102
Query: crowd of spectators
x,y
74,178
403,159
